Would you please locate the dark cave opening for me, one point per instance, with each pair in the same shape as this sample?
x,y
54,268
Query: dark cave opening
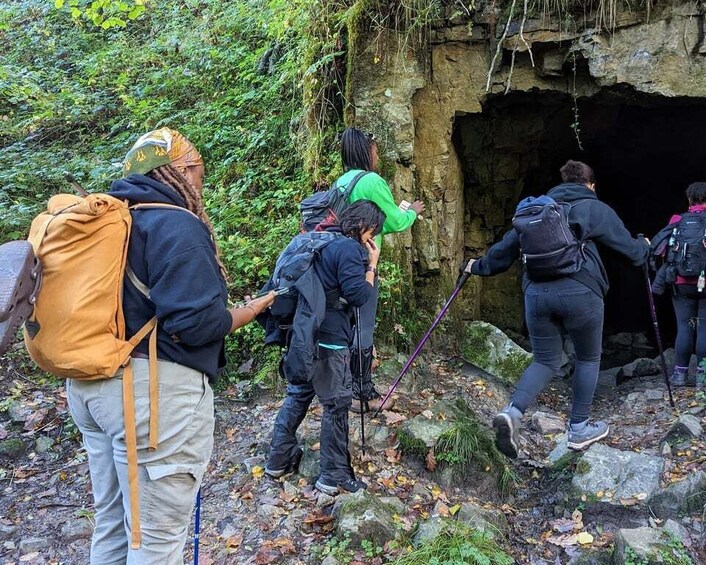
x,y
644,149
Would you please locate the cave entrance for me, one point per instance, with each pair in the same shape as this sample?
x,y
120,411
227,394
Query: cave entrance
x,y
644,149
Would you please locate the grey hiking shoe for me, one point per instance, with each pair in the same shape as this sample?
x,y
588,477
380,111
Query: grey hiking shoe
x,y
678,377
507,431
582,435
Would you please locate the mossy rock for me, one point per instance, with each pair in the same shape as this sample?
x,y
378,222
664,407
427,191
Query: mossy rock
x,y
487,347
12,448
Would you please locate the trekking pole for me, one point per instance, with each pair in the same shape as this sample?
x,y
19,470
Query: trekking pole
x,y
658,337
408,364
197,527
356,313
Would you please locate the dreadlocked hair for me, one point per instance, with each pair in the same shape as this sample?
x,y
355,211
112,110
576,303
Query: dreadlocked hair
x,y
173,178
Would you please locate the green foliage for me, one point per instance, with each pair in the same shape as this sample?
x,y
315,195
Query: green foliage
x,y
103,13
468,441
457,544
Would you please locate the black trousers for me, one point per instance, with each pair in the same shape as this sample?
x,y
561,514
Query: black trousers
x,y
331,382
690,310
551,307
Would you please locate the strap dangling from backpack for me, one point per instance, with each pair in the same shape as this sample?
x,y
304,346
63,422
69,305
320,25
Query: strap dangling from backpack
x,y
131,446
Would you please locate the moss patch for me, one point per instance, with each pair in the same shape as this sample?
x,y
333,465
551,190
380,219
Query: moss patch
x,y
511,367
583,467
475,344
411,445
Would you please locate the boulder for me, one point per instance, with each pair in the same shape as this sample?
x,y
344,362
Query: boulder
x,y
686,427
648,545
608,475
487,347
546,423
310,464
429,530
685,496
362,516
639,368
419,434
485,519
377,437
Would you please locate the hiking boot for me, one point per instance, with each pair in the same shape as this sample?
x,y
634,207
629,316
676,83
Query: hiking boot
x,y
507,431
678,377
372,405
332,488
291,468
585,433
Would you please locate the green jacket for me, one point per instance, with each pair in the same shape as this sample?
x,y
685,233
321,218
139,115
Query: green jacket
x,y
373,187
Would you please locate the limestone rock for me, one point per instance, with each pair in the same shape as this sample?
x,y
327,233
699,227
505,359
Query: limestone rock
x,y
310,465
376,436
686,427
620,476
685,496
79,528
251,462
43,444
419,434
490,349
30,545
394,503
640,368
546,423
643,545
429,530
364,517
485,519
7,531
560,451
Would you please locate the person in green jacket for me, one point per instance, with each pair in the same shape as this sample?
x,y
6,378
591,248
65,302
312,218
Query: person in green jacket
x,y
359,153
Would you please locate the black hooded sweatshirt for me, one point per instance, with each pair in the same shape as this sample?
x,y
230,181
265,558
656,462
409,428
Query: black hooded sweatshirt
x,y
172,253
592,221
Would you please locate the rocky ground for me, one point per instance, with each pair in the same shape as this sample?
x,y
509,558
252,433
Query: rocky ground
x,y
645,480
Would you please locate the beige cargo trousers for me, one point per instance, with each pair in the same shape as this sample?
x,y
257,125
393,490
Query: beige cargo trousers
x,y
169,477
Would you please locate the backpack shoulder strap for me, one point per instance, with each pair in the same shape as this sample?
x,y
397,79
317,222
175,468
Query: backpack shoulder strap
x,y
157,205
351,185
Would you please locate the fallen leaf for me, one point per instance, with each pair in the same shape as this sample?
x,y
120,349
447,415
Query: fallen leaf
x,y
431,460
234,541
428,414
257,471
393,417
584,538
454,509
315,447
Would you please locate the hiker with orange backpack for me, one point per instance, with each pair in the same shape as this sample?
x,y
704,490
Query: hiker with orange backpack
x,y
158,410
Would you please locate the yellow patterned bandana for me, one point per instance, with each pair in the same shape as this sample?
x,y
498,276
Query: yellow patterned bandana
x,y
162,146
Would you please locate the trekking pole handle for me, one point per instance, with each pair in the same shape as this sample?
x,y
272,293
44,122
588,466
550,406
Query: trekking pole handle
x,y
76,186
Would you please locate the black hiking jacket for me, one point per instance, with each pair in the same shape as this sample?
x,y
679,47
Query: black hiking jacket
x,y
172,253
592,221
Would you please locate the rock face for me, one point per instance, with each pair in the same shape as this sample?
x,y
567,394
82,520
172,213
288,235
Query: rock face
x,y
617,477
487,347
362,516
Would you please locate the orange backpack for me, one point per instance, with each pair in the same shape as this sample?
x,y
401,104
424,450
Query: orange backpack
x,y
77,329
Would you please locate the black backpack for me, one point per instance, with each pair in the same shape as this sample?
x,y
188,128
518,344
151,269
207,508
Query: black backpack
x,y
326,205
549,248
292,265
687,245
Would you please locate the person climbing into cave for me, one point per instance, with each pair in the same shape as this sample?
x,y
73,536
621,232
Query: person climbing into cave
x,y
359,153
682,244
566,296
346,268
